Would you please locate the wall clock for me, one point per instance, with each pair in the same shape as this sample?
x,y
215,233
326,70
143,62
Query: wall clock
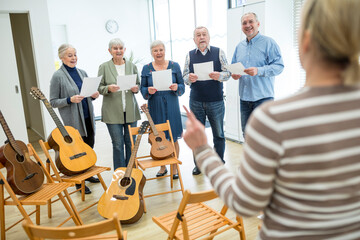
x,y
111,26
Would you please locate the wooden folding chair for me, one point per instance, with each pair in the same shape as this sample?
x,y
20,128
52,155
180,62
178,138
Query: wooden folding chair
x,y
194,219
146,161
77,179
48,191
90,231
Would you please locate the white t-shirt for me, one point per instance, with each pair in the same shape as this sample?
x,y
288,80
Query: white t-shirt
x,y
121,72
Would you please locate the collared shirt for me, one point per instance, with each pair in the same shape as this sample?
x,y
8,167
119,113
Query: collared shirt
x,y
224,75
261,52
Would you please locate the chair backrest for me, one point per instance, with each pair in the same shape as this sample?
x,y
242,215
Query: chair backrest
x,y
94,229
46,148
198,197
32,152
162,127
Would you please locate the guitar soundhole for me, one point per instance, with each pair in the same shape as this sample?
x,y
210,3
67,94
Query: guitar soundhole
x,y
19,158
125,182
158,139
68,139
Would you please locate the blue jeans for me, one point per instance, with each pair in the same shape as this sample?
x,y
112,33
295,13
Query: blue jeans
x,y
120,136
215,113
246,108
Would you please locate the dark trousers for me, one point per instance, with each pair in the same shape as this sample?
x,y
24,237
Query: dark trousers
x,y
90,138
247,107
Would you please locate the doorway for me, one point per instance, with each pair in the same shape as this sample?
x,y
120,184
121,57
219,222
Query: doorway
x,y
25,60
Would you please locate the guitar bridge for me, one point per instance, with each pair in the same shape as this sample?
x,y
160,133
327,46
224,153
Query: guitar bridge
x,y
29,176
77,155
119,197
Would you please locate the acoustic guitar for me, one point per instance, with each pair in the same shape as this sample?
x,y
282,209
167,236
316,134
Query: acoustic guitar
x,y
23,175
72,154
124,196
161,148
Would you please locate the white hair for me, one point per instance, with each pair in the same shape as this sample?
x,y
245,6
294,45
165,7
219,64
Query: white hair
x,y
62,49
115,42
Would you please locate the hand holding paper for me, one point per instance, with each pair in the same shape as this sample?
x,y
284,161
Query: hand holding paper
x,y
202,70
236,68
162,80
90,86
126,82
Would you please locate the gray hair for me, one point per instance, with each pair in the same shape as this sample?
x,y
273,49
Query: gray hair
x,y
62,49
200,27
156,43
252,13
115,42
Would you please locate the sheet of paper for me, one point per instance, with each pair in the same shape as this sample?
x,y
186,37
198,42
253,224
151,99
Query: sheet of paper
x,y
202,70
90,86
126,82
236,68
162,80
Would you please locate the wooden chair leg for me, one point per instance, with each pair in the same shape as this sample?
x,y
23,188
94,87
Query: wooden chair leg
x,y
2,212
180,179
83,191
102,182
49,202
37,215
142,196
171,178
70,207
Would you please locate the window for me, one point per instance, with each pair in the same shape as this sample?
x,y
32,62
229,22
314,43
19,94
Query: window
x,y
236,3
297,21
174,22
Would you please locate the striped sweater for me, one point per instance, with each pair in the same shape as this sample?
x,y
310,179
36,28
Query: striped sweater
x,y
301,166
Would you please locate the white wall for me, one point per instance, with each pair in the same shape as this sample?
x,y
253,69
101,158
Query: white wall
x,y
279,26
40,33
84,22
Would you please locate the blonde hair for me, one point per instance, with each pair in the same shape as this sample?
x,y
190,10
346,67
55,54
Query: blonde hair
x,y
62,49
334,27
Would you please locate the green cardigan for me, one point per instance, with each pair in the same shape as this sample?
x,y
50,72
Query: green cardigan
x,y
112,111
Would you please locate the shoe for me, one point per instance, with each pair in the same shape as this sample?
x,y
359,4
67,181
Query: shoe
x,y
159,174
92,180
176,176
87,190
196,171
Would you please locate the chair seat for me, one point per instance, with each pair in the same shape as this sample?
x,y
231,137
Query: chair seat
x,y
201,220
150,163
82,176
46,192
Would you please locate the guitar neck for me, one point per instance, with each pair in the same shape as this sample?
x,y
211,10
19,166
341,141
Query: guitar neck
x,y
56,119
133,156
151,122
9,135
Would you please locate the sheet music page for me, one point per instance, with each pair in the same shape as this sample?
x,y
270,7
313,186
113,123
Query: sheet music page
x,y
162,80
202,70
90,86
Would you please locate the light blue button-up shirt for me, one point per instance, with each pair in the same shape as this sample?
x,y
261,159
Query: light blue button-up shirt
x,y
261,52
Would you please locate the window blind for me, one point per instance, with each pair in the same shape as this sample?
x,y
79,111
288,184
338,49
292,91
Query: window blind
x,y
297,21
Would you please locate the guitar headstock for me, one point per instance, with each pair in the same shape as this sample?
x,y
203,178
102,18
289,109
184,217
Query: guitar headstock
x,y
144,108
143,127
37,94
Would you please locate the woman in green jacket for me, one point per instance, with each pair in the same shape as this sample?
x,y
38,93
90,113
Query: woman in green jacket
x,y
119,108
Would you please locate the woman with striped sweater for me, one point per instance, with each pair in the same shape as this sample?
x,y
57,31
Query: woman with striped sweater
x,y
301,161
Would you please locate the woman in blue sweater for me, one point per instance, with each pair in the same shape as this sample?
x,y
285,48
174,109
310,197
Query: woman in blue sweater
x,y
164,105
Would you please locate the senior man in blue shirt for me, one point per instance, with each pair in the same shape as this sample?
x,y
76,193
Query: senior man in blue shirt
x,y
262,59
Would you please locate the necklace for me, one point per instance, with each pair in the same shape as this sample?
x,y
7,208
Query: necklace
x,y
158,67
